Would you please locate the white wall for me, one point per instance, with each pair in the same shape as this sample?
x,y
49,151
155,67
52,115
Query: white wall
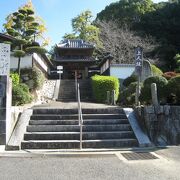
x,y
26,62
40,61
121,71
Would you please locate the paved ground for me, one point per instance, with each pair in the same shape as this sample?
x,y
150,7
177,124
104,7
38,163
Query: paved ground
x,y
69,105
106,166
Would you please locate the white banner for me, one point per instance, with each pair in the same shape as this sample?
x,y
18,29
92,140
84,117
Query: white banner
x,y
4,59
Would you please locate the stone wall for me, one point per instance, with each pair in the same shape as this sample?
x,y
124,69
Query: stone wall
x,y
47,91
162,123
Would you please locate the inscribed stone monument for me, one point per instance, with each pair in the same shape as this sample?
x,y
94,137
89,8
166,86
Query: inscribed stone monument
x,y
4,91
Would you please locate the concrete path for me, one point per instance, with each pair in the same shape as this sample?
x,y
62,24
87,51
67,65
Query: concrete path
x,y
72,105
93,166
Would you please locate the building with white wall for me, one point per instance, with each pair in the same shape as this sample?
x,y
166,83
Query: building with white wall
x,y
40,61
121,71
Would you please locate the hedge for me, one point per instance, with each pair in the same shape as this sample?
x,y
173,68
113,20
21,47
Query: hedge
x,y
102,84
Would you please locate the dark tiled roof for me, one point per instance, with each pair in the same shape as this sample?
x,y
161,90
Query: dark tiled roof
x,y
6,37
82,59
75,43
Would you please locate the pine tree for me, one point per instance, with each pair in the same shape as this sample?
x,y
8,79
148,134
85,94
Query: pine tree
x,y
26,27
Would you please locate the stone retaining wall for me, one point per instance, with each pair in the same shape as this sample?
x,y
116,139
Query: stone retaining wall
x,y
48,89
162,123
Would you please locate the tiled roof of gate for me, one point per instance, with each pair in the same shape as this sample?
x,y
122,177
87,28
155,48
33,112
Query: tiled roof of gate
x,y
80,59
75,43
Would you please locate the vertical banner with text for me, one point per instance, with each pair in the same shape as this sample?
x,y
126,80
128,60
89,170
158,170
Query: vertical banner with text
x,y
138,70
138,60
4,59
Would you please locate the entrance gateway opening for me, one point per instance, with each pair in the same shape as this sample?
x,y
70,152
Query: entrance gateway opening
x,y
76,58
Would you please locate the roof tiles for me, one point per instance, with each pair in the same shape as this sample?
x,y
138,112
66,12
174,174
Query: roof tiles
x,y
75,43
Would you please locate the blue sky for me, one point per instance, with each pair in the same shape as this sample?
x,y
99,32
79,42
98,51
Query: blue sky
x,y
56,13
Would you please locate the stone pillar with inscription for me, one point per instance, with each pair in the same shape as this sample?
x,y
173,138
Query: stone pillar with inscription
x,y
5,93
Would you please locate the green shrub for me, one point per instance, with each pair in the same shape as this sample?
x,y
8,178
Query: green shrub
x,y
38,78
128,94
173,87
156,71
102,84
24,87
161,83
129,80
20,95
15,78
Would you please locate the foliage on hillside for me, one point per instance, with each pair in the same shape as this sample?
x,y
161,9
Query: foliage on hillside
x,y
144,18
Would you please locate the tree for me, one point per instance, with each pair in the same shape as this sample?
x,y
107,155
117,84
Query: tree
x,y
27,29
126,11
145,18
121,42
83,28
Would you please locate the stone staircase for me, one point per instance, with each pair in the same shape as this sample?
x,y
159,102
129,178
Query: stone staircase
x,y
67,91
59,129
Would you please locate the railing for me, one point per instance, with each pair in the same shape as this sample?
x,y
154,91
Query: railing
x,y
80,117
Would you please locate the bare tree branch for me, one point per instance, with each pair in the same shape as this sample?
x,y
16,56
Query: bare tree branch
x,y
121,41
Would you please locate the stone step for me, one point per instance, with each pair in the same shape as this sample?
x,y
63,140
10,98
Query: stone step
x,y
67,97
74,144
66,100
111,110
76,135
110,143
76,122
68,91
75,116
73,93
51,144
76,128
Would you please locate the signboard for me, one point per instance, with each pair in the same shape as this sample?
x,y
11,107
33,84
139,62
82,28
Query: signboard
x,y
4,59
138,60
59,72
59,67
